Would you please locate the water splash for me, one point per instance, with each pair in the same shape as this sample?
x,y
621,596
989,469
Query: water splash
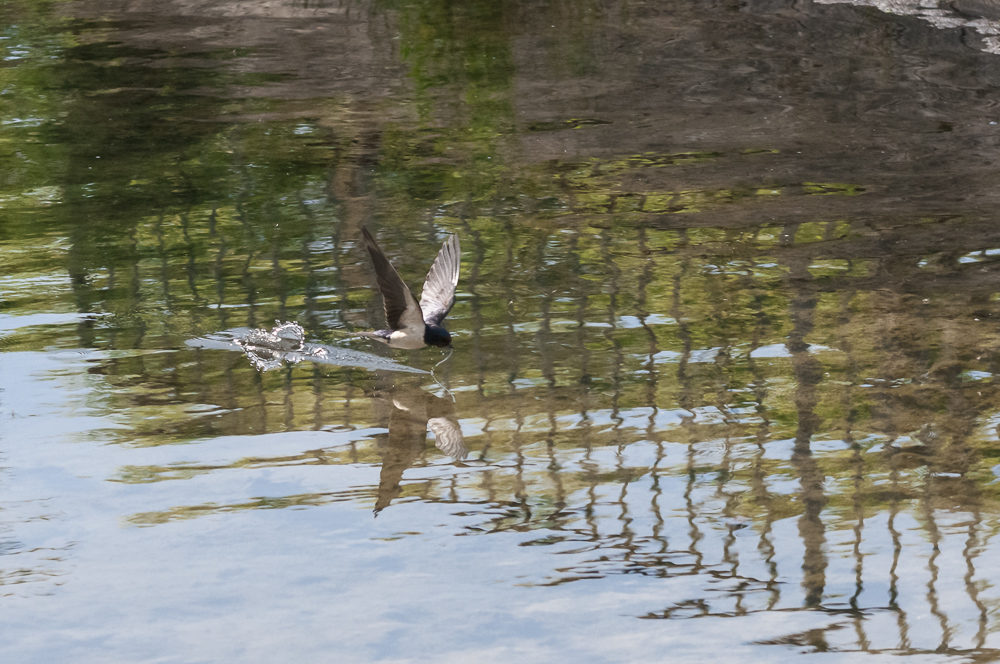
x,y
451,349
285,342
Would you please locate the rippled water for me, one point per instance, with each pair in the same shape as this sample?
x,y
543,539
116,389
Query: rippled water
x,y
724,380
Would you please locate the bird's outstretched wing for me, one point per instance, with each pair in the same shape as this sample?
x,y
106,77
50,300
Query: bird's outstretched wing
x,y
439,288
401,308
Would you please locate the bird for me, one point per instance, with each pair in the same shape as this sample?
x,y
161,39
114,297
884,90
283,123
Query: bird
x,y
414,325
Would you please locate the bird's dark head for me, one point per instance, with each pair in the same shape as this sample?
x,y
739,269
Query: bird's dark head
x,y
435,335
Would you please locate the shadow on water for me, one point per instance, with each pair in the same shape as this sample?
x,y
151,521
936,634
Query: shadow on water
x,y
725,336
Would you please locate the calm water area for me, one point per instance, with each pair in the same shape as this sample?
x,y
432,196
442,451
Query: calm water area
x,y
726,369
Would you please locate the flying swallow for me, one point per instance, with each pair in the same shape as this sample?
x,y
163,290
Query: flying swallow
x,y
413,325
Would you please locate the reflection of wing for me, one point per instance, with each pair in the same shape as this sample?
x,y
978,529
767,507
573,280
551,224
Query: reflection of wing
x,y
448,437
401,308
439,287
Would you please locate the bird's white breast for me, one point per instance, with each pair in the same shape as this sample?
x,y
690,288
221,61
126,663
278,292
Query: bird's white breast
x,y
407,339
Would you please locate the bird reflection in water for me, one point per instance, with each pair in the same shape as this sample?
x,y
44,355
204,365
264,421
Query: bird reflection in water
x,y
412,412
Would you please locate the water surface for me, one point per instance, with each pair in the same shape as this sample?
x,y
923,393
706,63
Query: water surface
x,y
724,380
